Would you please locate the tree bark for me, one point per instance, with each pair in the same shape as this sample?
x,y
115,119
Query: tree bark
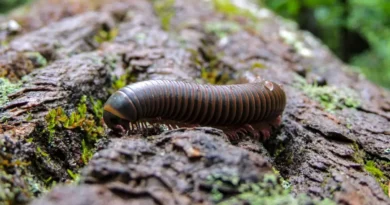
x,y
323,153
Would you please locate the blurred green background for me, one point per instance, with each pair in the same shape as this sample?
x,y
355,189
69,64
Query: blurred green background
x,y
7,5
358,31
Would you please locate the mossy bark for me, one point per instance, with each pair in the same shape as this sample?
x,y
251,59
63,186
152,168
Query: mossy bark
x,y
332,147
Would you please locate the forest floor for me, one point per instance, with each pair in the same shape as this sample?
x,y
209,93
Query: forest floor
x,y
333,145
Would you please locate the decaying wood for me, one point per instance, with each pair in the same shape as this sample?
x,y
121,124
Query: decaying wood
x,y
320,153
60,84
177,177
64,38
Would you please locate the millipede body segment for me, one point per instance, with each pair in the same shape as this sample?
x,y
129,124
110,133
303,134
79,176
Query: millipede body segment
x,y
241,108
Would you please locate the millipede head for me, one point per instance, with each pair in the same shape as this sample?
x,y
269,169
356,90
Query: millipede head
x,y
115,123
117,113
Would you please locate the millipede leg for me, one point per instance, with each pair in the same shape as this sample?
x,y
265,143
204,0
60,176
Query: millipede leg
x,y
184,104
155,126
266,134
138,127
127,126
146,127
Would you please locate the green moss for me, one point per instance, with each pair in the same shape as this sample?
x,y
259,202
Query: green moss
x,y
330,97
29,117
17,186
87,152
80,120
105,35
52,119
11,193
119,82
29,140
41,152
257,65
214,76
275,171
291,38
279,150
37,59
371,167
270,190
48,180
75,177
284,183
165,11
3,119
214,71
196,58
385,187
380,177
290,159
123,80
222,28
228,8
97,107
6,88
359,154
216,195
220,179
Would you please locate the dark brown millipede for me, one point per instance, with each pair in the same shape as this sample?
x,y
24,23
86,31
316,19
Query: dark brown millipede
x,y
240,108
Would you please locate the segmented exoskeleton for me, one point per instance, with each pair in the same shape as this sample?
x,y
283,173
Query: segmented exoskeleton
x,y
233,108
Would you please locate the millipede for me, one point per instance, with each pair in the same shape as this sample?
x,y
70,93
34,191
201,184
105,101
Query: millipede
x,y
239,109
